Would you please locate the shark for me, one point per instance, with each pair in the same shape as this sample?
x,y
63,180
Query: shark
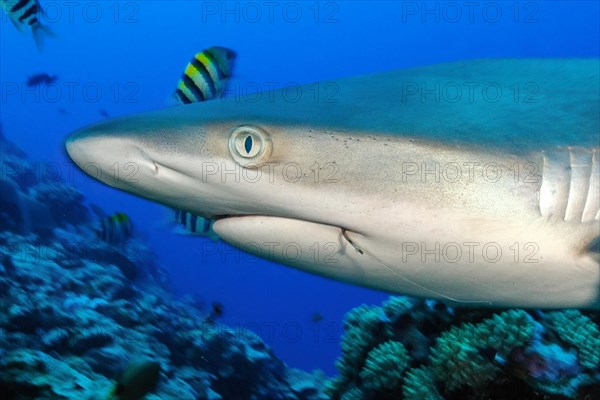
x,y
473,182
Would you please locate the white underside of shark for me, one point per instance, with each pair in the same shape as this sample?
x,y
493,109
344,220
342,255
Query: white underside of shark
x,y
476,182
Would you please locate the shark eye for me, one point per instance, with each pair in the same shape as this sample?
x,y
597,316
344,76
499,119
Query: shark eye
x,y
250,146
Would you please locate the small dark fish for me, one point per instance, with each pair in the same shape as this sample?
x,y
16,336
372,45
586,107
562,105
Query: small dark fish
x,y
115,229
103,112
216,311
136,381
316,318
206,75
41,79
24,14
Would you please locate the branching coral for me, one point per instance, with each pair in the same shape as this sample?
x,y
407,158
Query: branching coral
x,y
580,332
508,330
419,384
361,325
385,365
397,306
353,393
456,360
411,347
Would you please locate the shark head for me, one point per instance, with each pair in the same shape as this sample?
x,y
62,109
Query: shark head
x,y
190,158
378,187
179,165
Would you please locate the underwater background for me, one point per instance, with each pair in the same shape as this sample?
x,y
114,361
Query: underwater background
x,y
115,58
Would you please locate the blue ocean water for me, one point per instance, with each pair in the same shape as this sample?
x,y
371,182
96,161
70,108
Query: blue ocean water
x,y
124,57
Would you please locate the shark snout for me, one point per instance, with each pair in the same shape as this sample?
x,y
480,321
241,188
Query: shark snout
x,y
111,159
83,149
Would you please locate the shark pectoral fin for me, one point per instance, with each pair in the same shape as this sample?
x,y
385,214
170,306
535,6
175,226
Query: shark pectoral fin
x,y
315,248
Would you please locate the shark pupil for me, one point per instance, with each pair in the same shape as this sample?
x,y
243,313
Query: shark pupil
x,y
248,144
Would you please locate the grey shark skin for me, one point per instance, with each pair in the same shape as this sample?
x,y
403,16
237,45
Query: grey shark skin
x,y
475,182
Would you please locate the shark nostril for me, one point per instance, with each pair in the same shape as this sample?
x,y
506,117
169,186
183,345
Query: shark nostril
x,y
150,160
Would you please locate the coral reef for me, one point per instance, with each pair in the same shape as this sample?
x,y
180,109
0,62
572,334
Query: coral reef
x,y
64,202
76,312
424,350
580,332
384,366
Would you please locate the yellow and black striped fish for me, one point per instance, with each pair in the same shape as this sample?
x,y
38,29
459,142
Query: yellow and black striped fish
x,y
139,379
194,225
115,229
25,14
206,76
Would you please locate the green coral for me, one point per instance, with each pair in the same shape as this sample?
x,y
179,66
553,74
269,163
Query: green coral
x,y
332,385
363,316
419,384
456,358
385,365
360,325
353,393
375,358
508,330
396,306
580,332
